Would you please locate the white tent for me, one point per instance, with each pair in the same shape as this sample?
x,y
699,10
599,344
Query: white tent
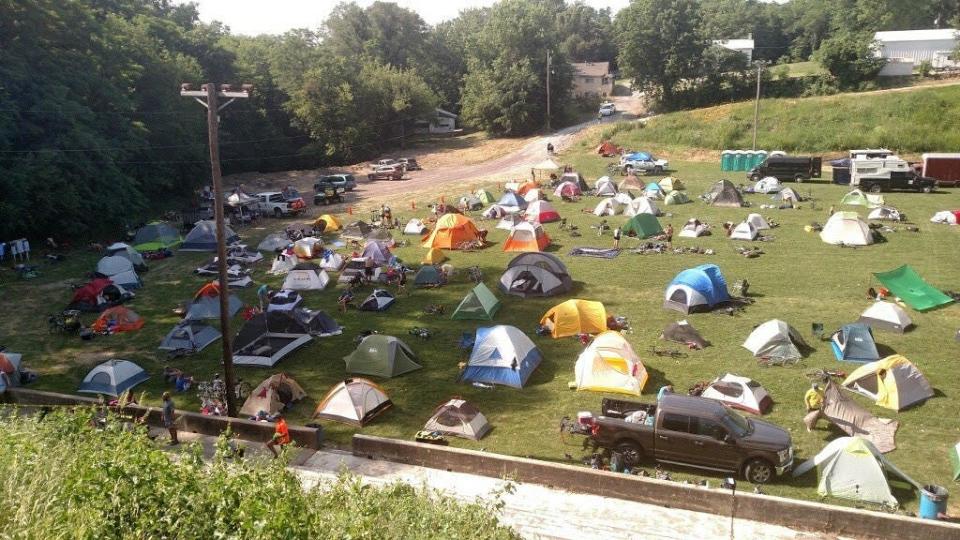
x,y
694,228
308,248
609,364
886,316
113,378
509,222
306,277
332,261
533,195
774,339
846,228
758,222
739,392
415,226
547,165
885,213
496,211
605,187
852,468
946,216
744,231
119,249
353,401
270,394
641,205
274,242
607,207
458,418
623,198
120,270
768,184
283,264
284,300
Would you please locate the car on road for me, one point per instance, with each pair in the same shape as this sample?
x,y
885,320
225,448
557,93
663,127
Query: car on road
x,y
642,161
345,181
691,431
274,203
410,163
384,162
607,109
386,172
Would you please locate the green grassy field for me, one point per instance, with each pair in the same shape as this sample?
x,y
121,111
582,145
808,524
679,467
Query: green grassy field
x,y
803,69
799,279
910,122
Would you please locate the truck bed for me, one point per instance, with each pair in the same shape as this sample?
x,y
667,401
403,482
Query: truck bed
x,y
621,408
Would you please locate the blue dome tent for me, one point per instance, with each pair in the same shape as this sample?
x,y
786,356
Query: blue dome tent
x,y
696,289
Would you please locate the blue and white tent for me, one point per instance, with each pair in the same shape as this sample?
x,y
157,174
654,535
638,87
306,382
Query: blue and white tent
x,y
854,343
512,202
113,378
502,355
696,289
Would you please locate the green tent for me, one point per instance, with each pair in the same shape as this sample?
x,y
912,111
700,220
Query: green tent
x,y
155,236
955,460
427,276
905,283
676,197
642,226
479,304
485,196
381,356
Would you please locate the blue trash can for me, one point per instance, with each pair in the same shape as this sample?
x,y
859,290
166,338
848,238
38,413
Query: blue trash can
x,y
933,501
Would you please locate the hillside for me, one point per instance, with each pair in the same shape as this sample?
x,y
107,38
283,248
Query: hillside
x,y
909,122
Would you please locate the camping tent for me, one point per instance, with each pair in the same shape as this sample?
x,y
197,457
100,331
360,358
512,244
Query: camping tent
x,y
894,383
112,378
330,223
533,195
331,260
285,300
776,340
684,332
642,226
641,205
527,187
379,300
119,249
120,271
853,468
268,337
886,316
604,187
947,217
306,277
623,198
907,285
378,251
859,198
842,411
428,275
190,336
274,242
382,236
155,236
97,295
501,355
676,197
495,211
955,460
479,304
308,248
357,230
415,226
527,236
609,364
567,189
654,191
696,289
116,320
669,184
203,237
787,195
381,356
451,231
846,228
512,202
758,222
354,402
208,307
632,182
510,221
541,212
458,418
276,393
606,207
470,202
434,256
744,231
739,392
485,196
10,370
694,228
576,178
283,264
535,274
724,194
767,184
854,343
885,213
575,317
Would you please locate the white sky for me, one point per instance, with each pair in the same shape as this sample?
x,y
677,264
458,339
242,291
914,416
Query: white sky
x,y
253,17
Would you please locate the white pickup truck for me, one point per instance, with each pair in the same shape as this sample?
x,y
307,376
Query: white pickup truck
x,y
642,161
275,204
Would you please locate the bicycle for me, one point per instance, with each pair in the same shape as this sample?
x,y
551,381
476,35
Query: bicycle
x,y
672,353
434,309
422,333
67,321
824,374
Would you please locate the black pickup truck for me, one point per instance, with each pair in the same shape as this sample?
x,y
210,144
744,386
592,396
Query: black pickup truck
x,y
692,431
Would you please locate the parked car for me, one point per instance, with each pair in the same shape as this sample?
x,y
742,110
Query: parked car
x,y
785,168
642,161
607,109
386,172
273,203
410,163
327,191
384,163
695,432
345,181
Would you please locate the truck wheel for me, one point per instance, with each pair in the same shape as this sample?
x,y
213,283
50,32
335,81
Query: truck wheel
x,y
798,178
316,201
628,169
758,471
632,453
927,189
657,170
277,212
875,188
755,177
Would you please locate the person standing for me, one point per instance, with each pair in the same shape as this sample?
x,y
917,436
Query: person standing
x,y
281,435
167,416
616,238
668,234
813,399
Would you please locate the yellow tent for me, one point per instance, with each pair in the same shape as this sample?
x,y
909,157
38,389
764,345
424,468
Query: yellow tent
x,y
434,256
609,364
575,317
893,382
330,223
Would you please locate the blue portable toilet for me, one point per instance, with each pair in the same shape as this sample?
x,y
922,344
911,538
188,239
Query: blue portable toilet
x,y
726,160
759,158
739,160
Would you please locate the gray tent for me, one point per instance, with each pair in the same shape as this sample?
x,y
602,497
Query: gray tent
x,y
274,242
458,418
120,270
854,343
208,307
535,274
776,340
191,336
379,300
112,378
725,194
428,276
119,249
684,332
358,230
203,237
382,356
268,337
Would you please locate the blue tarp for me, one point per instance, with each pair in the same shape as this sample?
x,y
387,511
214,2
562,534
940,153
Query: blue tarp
x,y
705,279
638,156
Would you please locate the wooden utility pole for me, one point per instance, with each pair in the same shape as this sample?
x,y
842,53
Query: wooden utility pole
x,y
211,94
756,106
548,91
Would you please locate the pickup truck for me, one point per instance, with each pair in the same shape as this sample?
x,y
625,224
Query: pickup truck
x,y
692,431
642,161
276,204
909,180
386,172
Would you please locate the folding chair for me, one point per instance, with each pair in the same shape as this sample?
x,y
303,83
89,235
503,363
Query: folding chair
x,y
817,330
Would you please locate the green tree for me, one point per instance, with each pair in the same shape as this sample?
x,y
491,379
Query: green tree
x,y
384,31
850,58
586,33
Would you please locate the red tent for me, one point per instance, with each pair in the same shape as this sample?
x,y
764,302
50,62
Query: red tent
x,y
89,292
608,149
210,290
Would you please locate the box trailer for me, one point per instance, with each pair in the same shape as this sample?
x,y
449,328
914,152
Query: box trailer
x,y
944,168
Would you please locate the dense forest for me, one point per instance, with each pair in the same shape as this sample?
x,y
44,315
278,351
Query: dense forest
x,y
93,131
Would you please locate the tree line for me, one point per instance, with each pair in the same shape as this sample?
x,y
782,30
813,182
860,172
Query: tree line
x,y
93,132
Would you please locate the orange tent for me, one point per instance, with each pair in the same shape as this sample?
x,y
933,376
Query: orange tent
x,y
451,230
118,319
608,149
210,290
524,188
527,236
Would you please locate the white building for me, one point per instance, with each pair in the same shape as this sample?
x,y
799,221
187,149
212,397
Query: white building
x,y
442,122
744,46
906,49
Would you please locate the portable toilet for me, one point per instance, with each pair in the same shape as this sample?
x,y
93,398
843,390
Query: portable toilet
x,y
739,160
748,157
759,158
726,160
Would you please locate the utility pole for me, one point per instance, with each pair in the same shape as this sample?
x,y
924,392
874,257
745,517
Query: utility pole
x,y
548,91
210,93
756,105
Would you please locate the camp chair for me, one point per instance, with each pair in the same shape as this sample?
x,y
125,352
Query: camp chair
x,y
817,330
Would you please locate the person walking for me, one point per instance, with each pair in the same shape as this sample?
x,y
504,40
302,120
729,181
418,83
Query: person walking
x,y
281,435
167,416
813,399
616,238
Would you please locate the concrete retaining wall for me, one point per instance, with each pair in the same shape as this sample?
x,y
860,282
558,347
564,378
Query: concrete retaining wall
x,y
186,421
803,515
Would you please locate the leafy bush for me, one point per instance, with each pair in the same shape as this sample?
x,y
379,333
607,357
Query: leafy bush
x,y
62,479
